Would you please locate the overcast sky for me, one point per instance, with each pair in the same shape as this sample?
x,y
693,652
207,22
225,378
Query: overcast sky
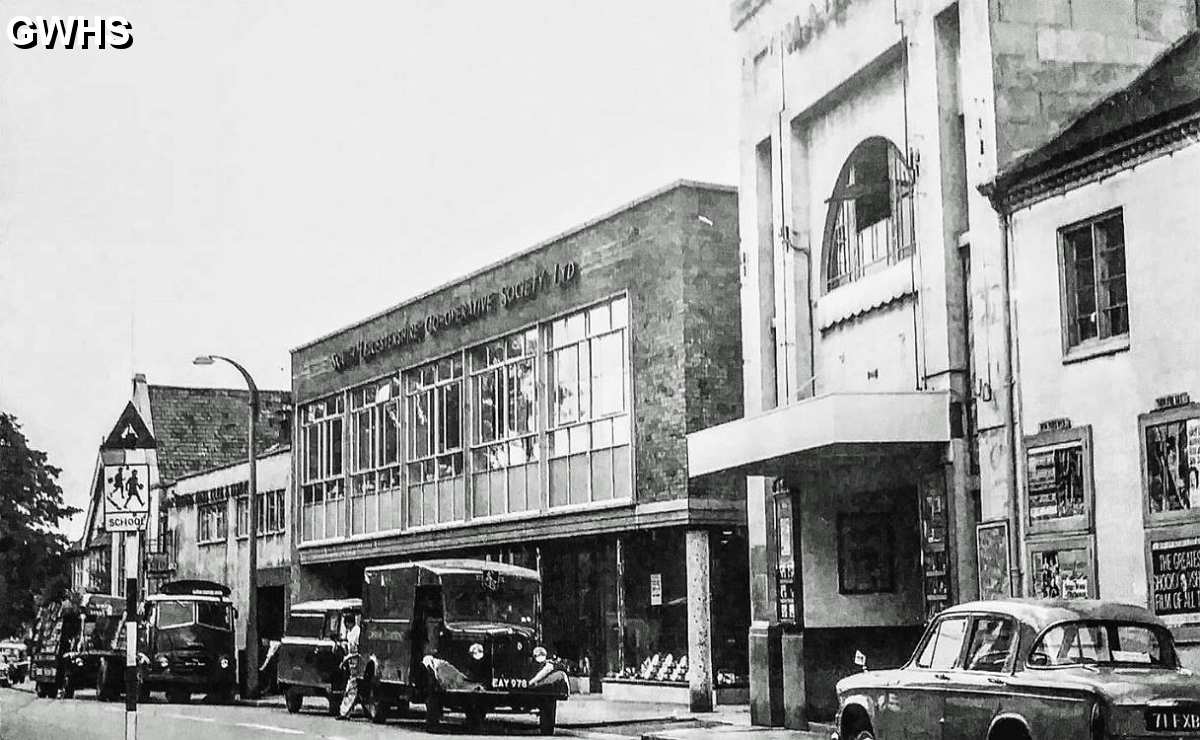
x,y
251,175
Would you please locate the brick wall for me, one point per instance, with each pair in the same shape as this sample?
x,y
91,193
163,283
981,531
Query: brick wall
x,y
1056,58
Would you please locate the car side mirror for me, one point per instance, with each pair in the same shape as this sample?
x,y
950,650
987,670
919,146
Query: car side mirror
x,y
860,660
1039,660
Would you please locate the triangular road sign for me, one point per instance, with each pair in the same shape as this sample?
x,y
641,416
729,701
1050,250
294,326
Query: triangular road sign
x,y
130,432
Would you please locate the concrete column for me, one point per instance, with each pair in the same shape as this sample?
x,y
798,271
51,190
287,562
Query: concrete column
x,y
795,690
699,606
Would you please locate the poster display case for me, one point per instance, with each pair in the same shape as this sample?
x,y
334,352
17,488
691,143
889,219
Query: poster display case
x,y
1062,568
992,554
1058,481
935,546
1170,442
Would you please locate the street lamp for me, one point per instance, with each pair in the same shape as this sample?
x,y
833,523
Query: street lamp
x,y
252,516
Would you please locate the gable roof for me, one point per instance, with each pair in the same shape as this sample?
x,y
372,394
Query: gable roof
x,y
202,428
1167,92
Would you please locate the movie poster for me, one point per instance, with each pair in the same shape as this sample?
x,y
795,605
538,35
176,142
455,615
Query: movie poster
x,y
1172,457
1055,483
1060,574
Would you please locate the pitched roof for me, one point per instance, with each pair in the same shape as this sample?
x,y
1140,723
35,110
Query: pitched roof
x,y
201,428
1167,91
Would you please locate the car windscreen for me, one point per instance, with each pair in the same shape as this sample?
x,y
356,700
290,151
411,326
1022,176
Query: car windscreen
x,y
214,614
492,598
1104,643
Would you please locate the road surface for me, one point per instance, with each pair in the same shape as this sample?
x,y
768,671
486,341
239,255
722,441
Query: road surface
x,y
22,716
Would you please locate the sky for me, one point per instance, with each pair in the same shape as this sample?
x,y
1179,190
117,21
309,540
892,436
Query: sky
x,y
248,176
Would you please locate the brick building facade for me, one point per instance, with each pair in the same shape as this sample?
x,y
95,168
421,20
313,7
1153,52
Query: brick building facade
x,y
536,412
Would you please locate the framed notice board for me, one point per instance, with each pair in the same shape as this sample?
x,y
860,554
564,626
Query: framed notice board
x,y
1058,481
1063,568
991,542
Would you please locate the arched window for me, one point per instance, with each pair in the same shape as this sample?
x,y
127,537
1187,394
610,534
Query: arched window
x,y
870,220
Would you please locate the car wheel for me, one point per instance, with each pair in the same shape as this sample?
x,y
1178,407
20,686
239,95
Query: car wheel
x,y
293,699
547,716
433,711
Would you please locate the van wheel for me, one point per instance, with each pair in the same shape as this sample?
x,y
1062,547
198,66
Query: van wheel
x,y
293,699
864,735
547,716
433,711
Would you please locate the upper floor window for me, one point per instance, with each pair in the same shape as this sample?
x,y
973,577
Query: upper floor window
x,y
434,432
504,443
210,519
375,456
270,513
869,224
1095,302
322,488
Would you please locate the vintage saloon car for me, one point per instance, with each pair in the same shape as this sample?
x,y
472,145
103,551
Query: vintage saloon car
x,y
310,656
463,635
1029,670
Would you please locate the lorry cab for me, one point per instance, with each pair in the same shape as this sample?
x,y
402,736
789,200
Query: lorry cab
x,y
311,654
96,657
187,645
461,635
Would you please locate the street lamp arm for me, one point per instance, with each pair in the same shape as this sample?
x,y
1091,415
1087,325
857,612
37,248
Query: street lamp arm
x,y
245,374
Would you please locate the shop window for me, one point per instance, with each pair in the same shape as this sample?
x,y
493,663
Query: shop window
x,y
866,553
869,224
375,487
655,600
270,513
1058,481
1092,270
322,489
210,522
436,490
504,443
1063,568
588,362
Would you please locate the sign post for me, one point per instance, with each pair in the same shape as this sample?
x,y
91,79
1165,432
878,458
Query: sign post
x,y
126,510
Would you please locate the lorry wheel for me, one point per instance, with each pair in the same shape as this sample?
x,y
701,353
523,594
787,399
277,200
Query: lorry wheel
x,y
44,690
178,696
293,699
68,687
433,711
546,717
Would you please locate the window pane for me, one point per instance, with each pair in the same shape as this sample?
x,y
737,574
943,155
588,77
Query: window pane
x,y
390,443
944,644
566,377
486,407
451,421
990,644
419,425
599,320
335,447
620,313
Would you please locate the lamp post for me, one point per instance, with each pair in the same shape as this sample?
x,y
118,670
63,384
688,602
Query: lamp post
x,y
252,525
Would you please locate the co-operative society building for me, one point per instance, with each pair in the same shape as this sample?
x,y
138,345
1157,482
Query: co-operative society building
x,y
536,412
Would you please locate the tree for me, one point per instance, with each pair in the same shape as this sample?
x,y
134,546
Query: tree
x,y
33,563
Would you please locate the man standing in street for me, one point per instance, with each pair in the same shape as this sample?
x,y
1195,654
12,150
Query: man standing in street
x,y
350,664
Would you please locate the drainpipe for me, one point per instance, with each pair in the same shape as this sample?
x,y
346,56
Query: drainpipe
x,y
1013,420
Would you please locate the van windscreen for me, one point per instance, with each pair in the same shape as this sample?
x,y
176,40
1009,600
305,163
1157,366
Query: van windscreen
x,y
504,599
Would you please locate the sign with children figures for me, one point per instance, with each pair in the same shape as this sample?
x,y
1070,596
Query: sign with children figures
x,y
126,497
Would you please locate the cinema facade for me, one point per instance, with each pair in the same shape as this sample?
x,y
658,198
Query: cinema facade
x,y
535,412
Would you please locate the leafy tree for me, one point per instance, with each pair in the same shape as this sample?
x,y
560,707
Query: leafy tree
x,y
33,563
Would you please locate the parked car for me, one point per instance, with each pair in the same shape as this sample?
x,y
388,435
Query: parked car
x,y
311,654
1028,670
14,665
462,635
187,642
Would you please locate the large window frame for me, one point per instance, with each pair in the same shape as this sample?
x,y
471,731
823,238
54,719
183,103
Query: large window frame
x,y
375,458
589,409
505,424
212,524
271,515
870,223
1093,289
435,441
322,426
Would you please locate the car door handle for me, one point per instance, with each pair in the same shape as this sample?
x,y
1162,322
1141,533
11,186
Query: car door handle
x,y
997,681
941,676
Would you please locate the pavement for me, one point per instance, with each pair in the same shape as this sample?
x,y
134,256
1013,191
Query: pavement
x,y
586,716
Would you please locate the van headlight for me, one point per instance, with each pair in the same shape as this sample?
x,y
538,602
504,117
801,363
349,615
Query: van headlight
x,y
539,654
223,662
476,651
